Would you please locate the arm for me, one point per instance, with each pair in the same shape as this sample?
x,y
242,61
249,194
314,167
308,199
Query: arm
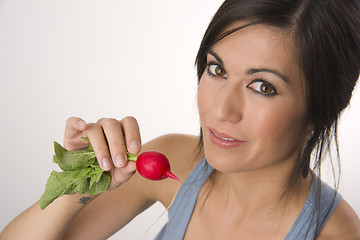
x,y
81,216
114,209
53,222
102,216
49,223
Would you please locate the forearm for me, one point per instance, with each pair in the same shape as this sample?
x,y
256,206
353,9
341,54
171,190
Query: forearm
x,y
50,223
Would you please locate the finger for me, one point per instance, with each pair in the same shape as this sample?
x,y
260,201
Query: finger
x,y
73,131
100,120
75,144
132,134
74,126
98,141
122,175
115,137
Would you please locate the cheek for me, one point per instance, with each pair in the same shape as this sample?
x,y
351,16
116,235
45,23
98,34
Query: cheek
x,y
281,126
204,98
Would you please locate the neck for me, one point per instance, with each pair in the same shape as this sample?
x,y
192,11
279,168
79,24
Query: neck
x,y
259,193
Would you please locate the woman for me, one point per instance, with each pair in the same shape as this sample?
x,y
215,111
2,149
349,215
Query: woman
x,y
274,77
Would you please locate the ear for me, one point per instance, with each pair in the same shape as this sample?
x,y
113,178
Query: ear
x,y
309,128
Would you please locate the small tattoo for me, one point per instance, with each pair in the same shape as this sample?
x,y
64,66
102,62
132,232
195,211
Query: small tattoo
x,y
84,200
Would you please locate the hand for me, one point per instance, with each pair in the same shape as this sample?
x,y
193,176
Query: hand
x,y
108,138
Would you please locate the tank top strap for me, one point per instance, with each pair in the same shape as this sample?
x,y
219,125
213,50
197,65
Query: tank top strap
x,y
315,212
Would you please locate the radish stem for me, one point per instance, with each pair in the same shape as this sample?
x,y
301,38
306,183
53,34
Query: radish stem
x,y
132,157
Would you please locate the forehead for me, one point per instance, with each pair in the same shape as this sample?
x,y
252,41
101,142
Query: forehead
x,y
264,36
244,26
258,45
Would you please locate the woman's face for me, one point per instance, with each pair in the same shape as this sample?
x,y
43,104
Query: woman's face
x,y
252,101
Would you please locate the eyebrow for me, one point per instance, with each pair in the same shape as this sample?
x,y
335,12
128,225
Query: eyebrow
x,y
252,70
212,53
257,70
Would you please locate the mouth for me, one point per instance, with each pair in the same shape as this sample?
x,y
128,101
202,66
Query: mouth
x,y
222,139
225,138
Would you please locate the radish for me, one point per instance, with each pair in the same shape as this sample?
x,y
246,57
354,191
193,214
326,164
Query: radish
x,y
154,165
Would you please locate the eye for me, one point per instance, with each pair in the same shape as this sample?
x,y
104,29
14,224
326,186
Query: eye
x,y
216,70
262,87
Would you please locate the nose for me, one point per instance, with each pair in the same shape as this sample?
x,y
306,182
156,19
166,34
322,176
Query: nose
x,y
228,104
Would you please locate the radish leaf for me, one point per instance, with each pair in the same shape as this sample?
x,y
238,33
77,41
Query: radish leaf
x,y
81,173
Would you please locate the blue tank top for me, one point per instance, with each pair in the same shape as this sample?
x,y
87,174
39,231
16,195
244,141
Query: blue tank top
x,y
304,227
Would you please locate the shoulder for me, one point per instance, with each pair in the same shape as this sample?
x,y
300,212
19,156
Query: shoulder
x,y
342,224
171,142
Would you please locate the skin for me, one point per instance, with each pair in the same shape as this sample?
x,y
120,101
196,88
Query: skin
x,y
245,193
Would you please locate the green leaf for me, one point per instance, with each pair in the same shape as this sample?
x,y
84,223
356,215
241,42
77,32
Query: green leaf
x,y
95,166
76,159
81,173
80,186
56,160
59,150
90,148
71,160
95,178
101,185
57,184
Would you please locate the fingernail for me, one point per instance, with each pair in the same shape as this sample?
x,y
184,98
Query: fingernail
x,y
106,164
134,146
82,123
120,161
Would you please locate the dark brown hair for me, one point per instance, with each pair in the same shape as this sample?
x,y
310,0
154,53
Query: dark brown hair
x,y
327,40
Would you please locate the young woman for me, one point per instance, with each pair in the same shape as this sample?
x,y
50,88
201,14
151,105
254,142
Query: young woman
x,y
274,77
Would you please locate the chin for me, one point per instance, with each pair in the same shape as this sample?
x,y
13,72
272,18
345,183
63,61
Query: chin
x,y
224,163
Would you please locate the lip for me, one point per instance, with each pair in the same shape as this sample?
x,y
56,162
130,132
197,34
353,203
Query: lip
x,y
223,140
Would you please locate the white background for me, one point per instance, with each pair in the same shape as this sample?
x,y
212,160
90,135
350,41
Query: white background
x,y
108,58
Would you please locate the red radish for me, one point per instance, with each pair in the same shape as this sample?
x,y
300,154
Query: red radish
x,y
154,165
